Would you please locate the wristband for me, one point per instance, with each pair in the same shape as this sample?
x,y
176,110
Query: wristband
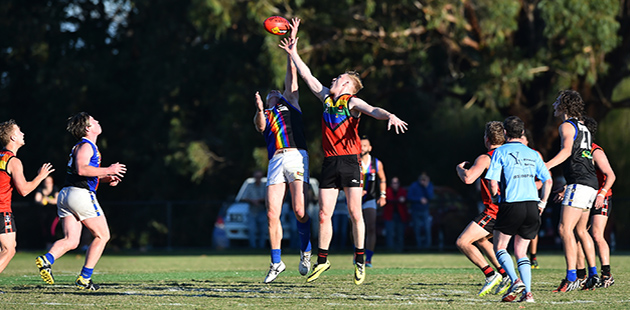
x,y
603,190
543,204
601,195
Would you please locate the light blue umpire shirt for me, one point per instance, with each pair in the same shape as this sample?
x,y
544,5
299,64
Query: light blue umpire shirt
x,y
516,167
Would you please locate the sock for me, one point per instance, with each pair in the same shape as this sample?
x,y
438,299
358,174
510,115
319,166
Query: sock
x,y
358,255
86,273
581,273
488,271
322,256
304,230
571,275
50,258
592,271
606,270
506,262
502,272
275,256
525,270
532,256
368,255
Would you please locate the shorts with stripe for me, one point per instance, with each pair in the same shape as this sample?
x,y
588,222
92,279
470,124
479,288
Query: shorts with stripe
x,y
604,210
486,221
288,165
341,171
518,218
78,202
579,196
8,223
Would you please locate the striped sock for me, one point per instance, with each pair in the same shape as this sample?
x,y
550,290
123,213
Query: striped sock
x,y
525,269
506,262
86,273
487,271
50,258
322,256
502,272
358,255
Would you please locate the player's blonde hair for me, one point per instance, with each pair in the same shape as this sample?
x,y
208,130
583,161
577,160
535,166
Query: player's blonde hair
x,y
355,77
6,130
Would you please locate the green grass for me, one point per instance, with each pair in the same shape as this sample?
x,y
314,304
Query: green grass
x,y
401,281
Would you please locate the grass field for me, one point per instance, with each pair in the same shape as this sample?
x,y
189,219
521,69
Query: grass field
x,y
197,281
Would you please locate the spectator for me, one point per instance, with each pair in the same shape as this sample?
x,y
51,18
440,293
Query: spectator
x,y
396,215
46,196
419,194
255,195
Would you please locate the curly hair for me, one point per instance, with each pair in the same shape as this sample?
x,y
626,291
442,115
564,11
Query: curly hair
x,y
355,77
6,129
78,124
571,103
514,127
494,133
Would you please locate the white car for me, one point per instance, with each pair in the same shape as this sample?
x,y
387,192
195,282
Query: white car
x,y
236,215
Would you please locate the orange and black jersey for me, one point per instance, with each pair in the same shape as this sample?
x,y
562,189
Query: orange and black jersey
x,y
486,196
340,134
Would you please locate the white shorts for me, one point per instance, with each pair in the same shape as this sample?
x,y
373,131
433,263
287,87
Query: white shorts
x,y
370,204
78,202
287,166
579,196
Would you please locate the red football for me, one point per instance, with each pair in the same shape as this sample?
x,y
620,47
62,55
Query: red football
x,y
277,25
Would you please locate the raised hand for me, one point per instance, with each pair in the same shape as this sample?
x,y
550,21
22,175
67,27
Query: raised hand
x,y
288,44
397,123
45,170
259,102
117,169
295,24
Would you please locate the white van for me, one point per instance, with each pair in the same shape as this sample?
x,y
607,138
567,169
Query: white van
x,y
236,215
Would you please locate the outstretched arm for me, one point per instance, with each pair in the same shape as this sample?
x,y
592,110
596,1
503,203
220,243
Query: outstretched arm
x,y
260,121
22,186
290,46
290,80
360,105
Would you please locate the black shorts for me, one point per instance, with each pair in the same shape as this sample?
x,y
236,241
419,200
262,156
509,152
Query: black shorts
x,y
8,223
604,210
341,171
486,221
518,218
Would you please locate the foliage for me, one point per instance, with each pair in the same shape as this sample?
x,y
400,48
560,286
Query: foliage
x,y
172,81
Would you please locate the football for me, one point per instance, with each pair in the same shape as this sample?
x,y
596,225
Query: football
x,y
277,25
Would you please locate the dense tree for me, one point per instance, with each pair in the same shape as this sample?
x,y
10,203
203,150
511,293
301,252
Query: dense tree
x,y
172,81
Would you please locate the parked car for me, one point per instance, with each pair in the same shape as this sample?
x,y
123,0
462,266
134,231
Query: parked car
x,y
236,216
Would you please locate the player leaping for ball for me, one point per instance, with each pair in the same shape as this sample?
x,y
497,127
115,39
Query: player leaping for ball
x,y
341,168
280,121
